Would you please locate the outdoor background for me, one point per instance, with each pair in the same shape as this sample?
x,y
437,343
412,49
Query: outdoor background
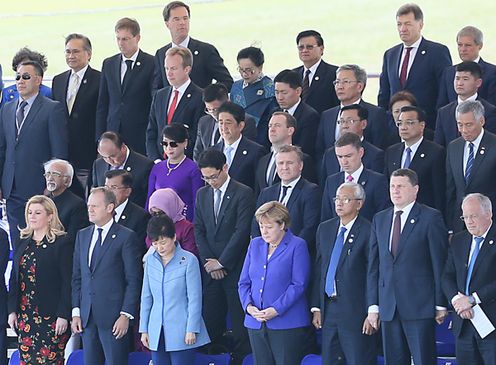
x,y
355,31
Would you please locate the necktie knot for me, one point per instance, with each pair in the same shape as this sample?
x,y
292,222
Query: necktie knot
x,y
23,104
478,240
408,49
349,178
129,64
284,192
342,230
399,213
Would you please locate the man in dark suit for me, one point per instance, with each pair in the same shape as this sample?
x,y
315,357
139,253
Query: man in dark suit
x,y
316,75
33,129
339,290
281,129
181,102
4,259
301,197
353,119
467,82
408,249
106,283
241,153
116,155
349,85
415,65
208,135
468,281
223,214
469,42
424,157
207,63
349,152
77,90
288,90
72,209
127,213
470,162
125,92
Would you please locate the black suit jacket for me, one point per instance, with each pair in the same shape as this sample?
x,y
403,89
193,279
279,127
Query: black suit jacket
x,y
482,280
351,274
307,124
189,110
125,109
73,212
206,126
429,164
4,259
227,240
244,163
303,206
321,94
135,218
138,165
446,128
207,66
481,180
376,194
53,277
82,119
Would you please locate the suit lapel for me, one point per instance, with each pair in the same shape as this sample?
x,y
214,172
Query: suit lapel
x,y
363,179
281,248
116,70
226,200
183,103
326,253
487,249
420,155
348,244
33,111
479,157
240,155
397,156
295,194
418,62
397,60
411,222
82,89
107,242
134,71
65,81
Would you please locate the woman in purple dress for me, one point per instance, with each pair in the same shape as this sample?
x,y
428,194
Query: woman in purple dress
x,y
177,171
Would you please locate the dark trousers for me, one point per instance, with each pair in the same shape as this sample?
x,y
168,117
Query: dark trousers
x,y
3,345
163,357
474,350
15,215
342,344
277,347
404,339
100,345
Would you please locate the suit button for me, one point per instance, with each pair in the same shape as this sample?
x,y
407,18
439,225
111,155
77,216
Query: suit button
x,y
260,290
262,277
265,266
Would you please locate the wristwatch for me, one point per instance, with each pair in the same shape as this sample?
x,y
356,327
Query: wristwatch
x,y
471,300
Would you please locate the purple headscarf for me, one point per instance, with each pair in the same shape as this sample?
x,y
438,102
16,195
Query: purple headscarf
x,y
168,202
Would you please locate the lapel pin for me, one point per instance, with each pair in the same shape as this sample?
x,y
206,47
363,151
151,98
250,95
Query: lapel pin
x,y
182,259
422,155
188,96
85,81
491,242
482,151
245,152
412,221
350,240
423,52
113,236
196,53
363,182
349,251
128,168
44,246
138,63
259,92
316,78
123,217
228,197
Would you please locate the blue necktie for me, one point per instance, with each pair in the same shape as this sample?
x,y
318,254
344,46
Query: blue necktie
x,y
333,263
470,161
96,250
471,264
408,158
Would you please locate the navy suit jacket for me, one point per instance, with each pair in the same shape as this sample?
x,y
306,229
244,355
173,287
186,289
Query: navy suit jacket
x,y
481,180
115,283
482,280
207,66
447,92
446,128
373,159
424,77
136,219
429,164
43,136
374,133
409,283
73,212
4,259
189,110
82,119
125,109
376,194
351,274
244,163
303,206
321,94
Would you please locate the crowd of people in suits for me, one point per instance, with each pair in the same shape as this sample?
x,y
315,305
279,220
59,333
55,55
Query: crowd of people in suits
x,y
154,201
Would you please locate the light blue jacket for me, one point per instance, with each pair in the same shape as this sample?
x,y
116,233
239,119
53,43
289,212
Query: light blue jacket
x,y
172,298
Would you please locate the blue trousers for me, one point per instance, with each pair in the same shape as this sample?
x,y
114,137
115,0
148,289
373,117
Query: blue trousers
x,y
163,357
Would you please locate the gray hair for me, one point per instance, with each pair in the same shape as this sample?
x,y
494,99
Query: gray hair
x,y
468,106
471,31
108,195
411,8
484,202
358,190
69,170
360,73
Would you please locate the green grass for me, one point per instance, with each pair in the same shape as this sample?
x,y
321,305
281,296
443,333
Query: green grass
x,y
354,31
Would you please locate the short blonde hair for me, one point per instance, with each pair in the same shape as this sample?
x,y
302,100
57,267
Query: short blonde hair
x,y
55,227
183,52
274,211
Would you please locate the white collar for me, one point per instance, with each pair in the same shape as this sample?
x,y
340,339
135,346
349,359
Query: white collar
x,y
182,44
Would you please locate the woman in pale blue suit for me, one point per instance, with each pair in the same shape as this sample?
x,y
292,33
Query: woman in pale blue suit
x,y
171,324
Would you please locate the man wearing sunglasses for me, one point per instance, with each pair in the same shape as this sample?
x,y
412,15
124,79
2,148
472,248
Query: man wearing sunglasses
x,y
33,129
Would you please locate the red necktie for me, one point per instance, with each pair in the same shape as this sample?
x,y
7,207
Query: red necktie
x,y
404,67
395,239
172,107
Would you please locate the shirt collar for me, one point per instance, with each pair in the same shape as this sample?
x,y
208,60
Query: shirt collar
x,y
30,100
235,144
80,73
341,106
132,58
355,175
106,226
183,87
349,225
415,45
119,210
312,68
224,186
182,44
484,235
406,210
414,147
476,141
293,108
292,183
471,98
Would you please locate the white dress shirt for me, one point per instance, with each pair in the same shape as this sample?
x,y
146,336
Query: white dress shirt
x,y
291,185
413,148
466,150
124,66
413,53
182,90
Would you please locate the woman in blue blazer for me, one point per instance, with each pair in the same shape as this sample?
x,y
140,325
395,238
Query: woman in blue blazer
x,y
171,324
272,287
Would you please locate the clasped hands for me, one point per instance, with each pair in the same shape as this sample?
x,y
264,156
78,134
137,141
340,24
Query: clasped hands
x,y
263,315
463,307
215,269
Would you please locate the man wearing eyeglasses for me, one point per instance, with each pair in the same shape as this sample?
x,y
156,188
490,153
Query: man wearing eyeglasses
x,y
470,162
417,153
349,85
33,129
349,153
316,74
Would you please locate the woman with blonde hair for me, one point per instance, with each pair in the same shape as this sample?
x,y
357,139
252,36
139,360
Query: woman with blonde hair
x,y
40,285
